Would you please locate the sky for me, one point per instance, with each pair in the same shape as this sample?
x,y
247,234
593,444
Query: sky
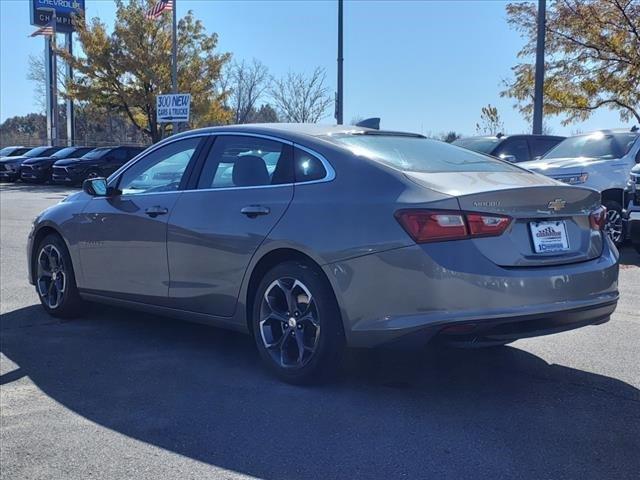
x,y
422,66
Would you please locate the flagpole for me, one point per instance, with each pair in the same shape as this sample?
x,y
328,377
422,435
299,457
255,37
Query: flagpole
x,y
174,59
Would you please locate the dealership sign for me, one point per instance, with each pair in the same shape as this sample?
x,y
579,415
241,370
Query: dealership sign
x,y
42,10
173,108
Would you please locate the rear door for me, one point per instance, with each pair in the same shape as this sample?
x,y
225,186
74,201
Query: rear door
x,y
240,193
124,250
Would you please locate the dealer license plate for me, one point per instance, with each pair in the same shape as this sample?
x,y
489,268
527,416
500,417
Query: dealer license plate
x,y
549,237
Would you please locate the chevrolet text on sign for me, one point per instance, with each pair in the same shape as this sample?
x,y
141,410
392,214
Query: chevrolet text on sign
x,y
41,11
173,108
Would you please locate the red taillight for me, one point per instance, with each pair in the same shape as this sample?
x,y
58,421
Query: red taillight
x,y
439,225
598,218
481,224
431,226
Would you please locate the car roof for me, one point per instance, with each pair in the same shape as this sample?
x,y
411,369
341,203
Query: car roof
x,y
309,129
609,131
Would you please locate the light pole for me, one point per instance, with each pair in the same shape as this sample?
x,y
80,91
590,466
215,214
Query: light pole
x,y
174,60
339,95
538,93
71,123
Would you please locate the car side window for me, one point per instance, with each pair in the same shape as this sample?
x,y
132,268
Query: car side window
x,y
244,161
161,170
540,146
118,155
307,167
516,147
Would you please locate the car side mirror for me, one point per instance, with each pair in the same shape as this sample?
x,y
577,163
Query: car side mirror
x,y
96,187
638,156
508,158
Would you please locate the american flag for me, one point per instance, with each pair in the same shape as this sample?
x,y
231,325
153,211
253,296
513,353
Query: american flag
x,y
47,29
159,8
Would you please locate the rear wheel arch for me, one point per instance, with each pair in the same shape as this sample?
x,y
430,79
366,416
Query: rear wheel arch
x,y
266,263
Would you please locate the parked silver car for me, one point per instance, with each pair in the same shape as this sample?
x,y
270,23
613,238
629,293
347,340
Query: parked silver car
x,y
311,237
600,160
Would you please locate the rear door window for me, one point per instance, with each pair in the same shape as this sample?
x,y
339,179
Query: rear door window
x,y
244,161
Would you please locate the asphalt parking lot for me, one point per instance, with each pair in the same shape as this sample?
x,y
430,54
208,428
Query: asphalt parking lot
x,y
117,394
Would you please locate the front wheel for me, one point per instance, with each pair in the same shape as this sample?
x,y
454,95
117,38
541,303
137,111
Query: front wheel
x,y
297,324
613,224
55,279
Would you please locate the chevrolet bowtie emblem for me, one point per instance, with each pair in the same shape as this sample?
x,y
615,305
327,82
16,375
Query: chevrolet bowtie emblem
x,y
557,204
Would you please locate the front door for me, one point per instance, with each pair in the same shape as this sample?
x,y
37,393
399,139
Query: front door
x,y
244,188
124,249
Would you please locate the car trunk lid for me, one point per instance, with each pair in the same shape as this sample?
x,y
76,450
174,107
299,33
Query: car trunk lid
x,y
542,210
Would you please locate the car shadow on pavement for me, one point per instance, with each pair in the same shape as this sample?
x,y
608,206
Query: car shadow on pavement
x,y
202,393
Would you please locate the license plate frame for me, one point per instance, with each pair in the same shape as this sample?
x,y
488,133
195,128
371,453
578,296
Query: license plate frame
x,y
549,236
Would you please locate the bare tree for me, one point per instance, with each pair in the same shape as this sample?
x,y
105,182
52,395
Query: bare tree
x,y
36,74
247,83
301,99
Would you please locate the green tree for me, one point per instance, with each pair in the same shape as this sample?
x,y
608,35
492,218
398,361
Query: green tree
x,y
127,69
592,58
490,122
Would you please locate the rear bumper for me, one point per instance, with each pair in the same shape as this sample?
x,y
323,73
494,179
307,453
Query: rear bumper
x,y
416,292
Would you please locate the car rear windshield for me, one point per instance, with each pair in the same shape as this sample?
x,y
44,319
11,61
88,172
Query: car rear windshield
x,y
96,153
482,145
418,154
595,145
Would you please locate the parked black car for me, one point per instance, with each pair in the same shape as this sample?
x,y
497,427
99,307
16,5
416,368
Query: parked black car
x,y
14,151
514,148
38,170
100,162
10,166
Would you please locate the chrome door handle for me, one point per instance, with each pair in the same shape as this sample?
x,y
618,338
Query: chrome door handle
x,y
252,211
153,212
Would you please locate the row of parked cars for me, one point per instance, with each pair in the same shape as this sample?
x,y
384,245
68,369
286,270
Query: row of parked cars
x,y
607,161
62,165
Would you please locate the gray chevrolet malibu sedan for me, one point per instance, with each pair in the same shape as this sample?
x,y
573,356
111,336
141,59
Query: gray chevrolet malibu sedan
x,y
314,237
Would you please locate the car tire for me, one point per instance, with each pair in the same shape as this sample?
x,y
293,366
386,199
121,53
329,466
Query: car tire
x,y
55,279
614,226
304,345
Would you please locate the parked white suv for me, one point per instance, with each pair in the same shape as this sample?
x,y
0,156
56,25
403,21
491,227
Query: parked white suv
x,y
601,160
